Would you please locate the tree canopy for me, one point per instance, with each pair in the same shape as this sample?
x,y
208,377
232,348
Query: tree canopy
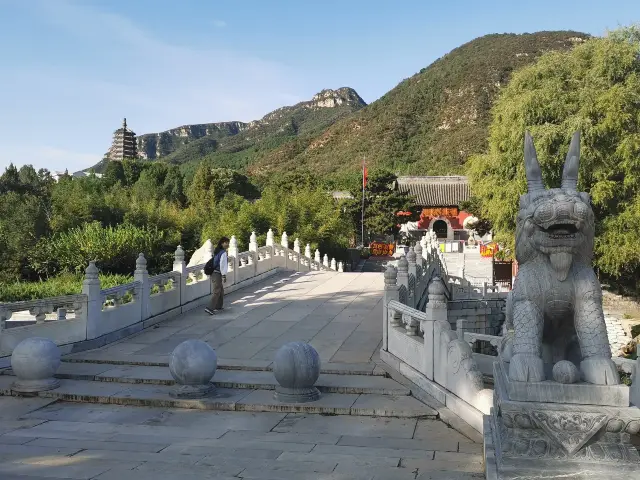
x,y
594,88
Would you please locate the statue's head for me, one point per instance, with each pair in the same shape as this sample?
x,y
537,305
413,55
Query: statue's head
x,y
555,222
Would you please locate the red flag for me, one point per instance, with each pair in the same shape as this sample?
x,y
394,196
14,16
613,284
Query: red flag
x,y
364,174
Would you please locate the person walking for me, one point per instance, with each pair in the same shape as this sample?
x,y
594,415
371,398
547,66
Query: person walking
x,y
218,267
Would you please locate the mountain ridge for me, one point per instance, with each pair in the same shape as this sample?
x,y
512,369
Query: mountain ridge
x,y
430,123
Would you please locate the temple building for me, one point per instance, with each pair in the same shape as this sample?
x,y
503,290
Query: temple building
x,y
124,144
440,199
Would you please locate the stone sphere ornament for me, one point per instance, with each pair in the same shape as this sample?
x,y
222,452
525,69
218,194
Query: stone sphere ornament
x,y
565,372
296,368
35,361
192,365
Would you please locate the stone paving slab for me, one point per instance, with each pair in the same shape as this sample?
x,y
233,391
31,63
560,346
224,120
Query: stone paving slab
x,y
83,441
339,314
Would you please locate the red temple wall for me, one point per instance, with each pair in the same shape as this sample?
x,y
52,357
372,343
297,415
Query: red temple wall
x,y
456,221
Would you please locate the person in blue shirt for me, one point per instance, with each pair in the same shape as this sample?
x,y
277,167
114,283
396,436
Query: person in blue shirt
x,y
219,275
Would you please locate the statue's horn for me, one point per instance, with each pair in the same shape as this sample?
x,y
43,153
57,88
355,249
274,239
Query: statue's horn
x,y
531,165
572,164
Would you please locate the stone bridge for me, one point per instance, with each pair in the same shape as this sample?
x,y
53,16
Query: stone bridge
x,y
113,415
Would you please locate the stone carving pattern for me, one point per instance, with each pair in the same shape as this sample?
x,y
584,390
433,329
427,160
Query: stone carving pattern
x,y
556,294
570,430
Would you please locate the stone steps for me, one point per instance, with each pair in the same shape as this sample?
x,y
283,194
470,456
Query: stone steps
x,y
97,357
236,390
224,378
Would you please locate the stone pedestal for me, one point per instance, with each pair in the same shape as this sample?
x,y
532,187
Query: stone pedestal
x,y
579,431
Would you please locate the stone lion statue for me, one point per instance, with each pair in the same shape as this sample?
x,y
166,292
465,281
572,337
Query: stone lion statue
x,y
555,307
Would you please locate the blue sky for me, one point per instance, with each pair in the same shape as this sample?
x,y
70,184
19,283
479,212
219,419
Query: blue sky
x,y
71,69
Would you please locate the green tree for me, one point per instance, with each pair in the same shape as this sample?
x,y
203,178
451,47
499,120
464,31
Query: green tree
x,y
382,202
594,89
114,174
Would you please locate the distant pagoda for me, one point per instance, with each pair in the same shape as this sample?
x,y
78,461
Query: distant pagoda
x,y
124,144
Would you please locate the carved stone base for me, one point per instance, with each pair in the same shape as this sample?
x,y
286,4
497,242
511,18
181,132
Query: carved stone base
x,y
35,386
296,395
193,391
555,440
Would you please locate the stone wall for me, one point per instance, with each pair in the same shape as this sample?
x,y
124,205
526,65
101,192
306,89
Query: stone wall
x,y
479,316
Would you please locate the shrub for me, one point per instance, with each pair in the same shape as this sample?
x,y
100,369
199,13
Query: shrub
x,y
66,284
114,249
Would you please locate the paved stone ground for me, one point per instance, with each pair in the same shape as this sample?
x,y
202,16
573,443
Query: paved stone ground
x,y
40,439
339,314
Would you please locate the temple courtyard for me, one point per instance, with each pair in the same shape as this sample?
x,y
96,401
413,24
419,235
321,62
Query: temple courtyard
x,y
113,418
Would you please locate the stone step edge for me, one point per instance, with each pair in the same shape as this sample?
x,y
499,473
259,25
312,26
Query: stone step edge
x,y
210,403
400,390
374,372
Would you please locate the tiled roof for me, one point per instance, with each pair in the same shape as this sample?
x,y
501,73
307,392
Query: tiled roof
x,y
435,191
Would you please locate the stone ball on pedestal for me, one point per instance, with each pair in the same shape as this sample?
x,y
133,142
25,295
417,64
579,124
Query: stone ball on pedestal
x,y
296,368
565,372
35,361
192,365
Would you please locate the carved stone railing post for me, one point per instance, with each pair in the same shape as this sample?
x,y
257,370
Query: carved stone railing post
x,y
253,242
307,251
325,260
317,258
413,277
234,262
391,292
340,267
403,278
436,311
418,251
270,242
333,264
142,275
92,289
285,240
296,245
180,266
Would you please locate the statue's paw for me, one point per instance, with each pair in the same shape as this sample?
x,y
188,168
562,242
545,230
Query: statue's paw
x,y
600,371
526,368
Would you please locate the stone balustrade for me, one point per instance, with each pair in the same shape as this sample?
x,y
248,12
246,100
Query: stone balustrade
x,y
100,316
418,340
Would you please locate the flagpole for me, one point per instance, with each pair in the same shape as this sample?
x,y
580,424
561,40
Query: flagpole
x,y
363,180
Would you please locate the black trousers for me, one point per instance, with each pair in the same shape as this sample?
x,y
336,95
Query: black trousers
x,y
218,291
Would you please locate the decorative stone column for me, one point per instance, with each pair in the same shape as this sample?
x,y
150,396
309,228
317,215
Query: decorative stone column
x,y
391,292
141,275
413,274
333,264
296,369
317,256
325,260
233,246
437,315
192,365
418,251
34,362
340,267
403,279
285,240
296,245
180,267
307,251
253,242
270,242
92,289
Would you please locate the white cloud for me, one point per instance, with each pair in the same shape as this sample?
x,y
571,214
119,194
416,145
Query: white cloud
x,y
219,23
156,83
